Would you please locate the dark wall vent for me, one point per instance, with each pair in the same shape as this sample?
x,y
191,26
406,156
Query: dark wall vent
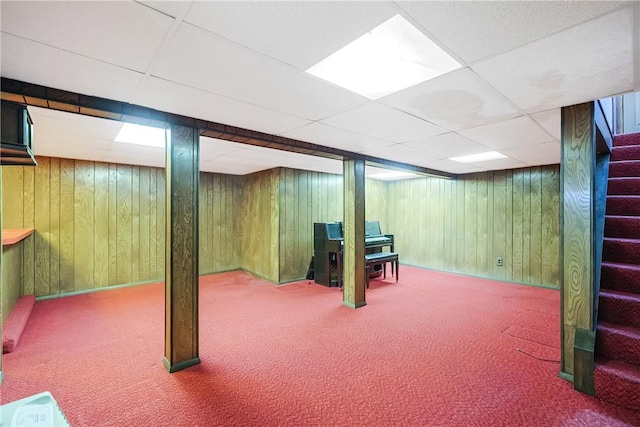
x,y
16,135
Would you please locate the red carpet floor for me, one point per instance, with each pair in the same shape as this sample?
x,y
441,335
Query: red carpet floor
x,y
434,349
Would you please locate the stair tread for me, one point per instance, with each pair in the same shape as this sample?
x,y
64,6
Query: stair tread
x,y
628,371
618,216
616,197
620,162
626,330
630,296
619,147
622,239
621,265
626,140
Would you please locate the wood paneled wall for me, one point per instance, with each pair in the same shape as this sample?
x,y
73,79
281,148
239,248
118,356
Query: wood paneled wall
x,y
99,224
307,197
464,225
11,278
220,222
260,224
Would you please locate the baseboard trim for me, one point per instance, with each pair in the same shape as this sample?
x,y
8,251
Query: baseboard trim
x,y
536,285
124,285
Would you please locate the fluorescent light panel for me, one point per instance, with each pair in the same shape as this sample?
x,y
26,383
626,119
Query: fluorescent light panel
x,y
392,175
389,58
480,157
141,135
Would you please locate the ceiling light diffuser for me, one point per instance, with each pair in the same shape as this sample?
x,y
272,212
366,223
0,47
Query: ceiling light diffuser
x,y
389,58
392,175
141,135
480,157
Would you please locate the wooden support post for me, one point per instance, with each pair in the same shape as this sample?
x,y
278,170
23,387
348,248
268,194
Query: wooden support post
x,y
181,248
354,229
577,250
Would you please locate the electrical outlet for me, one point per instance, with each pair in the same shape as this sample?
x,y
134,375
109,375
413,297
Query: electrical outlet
x,y
499,261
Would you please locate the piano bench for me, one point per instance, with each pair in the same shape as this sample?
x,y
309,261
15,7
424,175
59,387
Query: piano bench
x,y
381,258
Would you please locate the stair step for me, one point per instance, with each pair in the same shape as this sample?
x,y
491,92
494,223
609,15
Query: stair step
x,y
623,205
624,227
618,342
618,382
620,186
626,168
620,277
625,251
625,152
622,308
626,139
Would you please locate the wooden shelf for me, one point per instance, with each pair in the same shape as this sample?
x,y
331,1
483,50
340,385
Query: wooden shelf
x,y
11,236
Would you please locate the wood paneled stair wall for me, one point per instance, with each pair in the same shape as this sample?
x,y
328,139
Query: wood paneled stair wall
x,y
617,349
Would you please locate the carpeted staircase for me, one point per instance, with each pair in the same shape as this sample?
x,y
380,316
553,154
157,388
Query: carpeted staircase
x,y
617,372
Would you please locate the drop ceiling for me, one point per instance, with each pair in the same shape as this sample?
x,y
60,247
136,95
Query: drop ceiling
x,y
243,64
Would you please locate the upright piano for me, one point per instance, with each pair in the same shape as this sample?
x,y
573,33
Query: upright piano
x,y
328,242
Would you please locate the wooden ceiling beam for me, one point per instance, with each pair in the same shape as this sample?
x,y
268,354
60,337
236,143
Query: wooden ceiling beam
x,y
57,99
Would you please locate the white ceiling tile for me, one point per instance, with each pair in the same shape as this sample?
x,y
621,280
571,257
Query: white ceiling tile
x,y
297,33
450,166
201,60
126,34
231,168
210,148
329,136
36,63
383,122
509,133
593,60
136,150
64,123
50,142
475,30
461,168
536,154
321,164
152,158
550,120
175,9
245,71
70,152
175,98
267,155
447,145
500,164
370,170
403,154
253,164
456,100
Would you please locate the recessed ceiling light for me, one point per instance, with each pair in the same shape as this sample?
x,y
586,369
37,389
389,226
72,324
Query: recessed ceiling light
x,y
480,157
141,135
389,58
392,175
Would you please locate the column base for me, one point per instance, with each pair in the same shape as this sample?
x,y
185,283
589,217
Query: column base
x,y
181,365
357,305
